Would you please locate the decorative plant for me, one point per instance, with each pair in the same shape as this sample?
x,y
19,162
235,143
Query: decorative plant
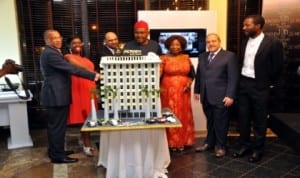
x,y
108,90
148,92
155,92
93,92
145,91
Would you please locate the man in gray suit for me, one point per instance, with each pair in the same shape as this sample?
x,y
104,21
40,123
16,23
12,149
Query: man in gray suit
x,y
215,84
56,93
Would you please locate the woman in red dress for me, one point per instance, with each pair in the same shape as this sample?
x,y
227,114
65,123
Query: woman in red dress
x,y
177,74
81,92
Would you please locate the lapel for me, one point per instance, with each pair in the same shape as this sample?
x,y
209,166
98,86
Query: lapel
x,y
206,58
263,43
54,49
260,49
108,51
216,57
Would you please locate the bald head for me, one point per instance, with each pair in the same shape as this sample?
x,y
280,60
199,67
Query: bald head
x,y
111,40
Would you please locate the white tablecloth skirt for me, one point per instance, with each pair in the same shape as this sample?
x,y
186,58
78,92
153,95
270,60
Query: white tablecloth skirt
x,y
134,153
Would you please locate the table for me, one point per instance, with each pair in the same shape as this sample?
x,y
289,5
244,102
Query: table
x,y
13,112
136,151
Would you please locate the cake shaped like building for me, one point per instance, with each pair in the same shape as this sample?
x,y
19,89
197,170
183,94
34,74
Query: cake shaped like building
x,y
131,87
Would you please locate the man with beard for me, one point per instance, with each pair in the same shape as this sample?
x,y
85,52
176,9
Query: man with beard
x,y
141,43
261,65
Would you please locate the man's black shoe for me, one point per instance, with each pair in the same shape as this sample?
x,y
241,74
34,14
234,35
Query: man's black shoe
x,y
64,160
255,157
69,152
242,152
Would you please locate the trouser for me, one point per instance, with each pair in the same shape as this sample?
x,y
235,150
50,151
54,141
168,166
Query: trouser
x,y
57,125
217,125
252,107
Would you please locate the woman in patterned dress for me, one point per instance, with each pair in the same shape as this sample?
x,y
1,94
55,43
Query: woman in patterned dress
x,y
177,74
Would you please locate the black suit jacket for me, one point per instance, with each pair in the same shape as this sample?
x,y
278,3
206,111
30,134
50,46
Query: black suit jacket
x,y
56,89
268,62
217,79
104,51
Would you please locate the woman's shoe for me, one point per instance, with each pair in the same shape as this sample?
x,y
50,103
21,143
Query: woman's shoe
x,y
181,149
88,151
173,149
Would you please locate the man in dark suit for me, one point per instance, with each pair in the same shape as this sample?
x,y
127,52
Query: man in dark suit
x,y
110,47
56,93
215,84
261,65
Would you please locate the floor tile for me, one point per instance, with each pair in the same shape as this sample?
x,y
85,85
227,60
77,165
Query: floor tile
x,y
226,173
279,160
239,166
283,163
263,172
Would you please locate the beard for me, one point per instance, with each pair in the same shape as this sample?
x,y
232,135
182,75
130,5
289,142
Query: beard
x,y
250,33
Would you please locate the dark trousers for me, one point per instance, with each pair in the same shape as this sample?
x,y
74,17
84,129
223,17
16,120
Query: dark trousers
x,y
252,107
217,125
57,125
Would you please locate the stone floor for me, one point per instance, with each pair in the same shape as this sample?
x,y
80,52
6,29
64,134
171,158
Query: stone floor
x,y
279,161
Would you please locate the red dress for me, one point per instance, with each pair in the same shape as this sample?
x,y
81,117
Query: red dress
x,y
80,107
174,78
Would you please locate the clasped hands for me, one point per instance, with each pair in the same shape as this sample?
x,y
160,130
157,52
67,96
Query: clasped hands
x,y
98,77
187,87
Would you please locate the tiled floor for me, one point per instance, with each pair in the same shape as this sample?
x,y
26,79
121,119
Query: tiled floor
x,y
279,161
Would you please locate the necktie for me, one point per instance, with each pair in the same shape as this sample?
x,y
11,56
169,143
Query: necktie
x,y
210,57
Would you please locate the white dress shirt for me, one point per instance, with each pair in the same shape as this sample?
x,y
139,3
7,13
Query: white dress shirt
x,y
250,52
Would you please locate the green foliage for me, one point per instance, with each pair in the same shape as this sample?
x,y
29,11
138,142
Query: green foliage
x,y
108,90
93,92
147,92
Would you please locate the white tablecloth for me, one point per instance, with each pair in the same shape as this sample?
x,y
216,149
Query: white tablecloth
x,y
134,153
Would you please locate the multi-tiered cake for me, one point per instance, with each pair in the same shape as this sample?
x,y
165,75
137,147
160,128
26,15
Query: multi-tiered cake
x,y
131,87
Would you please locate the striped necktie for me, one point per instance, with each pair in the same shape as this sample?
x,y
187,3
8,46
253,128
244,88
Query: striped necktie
x,y
210,57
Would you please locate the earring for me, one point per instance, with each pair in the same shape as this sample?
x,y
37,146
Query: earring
x,y
70,51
